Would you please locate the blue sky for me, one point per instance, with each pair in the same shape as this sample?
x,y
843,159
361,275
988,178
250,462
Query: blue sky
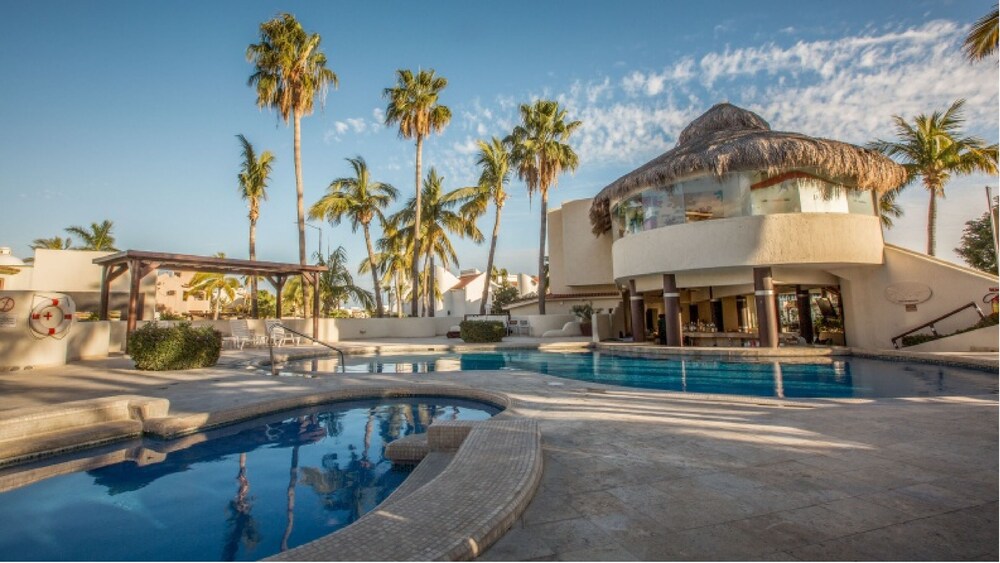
x,y
128,110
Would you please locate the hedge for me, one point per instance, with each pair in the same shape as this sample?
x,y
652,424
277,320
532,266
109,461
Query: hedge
x,y
157,348
914,339
481,331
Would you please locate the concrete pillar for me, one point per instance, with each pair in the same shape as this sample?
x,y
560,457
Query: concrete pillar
x,y
767,307
805,314
638,310
672,311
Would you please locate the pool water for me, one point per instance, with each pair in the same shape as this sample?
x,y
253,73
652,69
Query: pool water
x,y
850,377
243,493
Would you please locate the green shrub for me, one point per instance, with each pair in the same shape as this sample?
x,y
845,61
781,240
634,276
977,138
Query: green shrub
x,y
481,331
156,348
914,339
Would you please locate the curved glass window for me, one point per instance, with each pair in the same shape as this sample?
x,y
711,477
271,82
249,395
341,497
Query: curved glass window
x,y
739,194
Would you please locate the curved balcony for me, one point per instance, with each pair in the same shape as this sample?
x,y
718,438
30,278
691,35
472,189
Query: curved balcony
x,y
762,240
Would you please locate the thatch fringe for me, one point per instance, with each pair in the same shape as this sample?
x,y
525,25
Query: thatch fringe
x,y
729,139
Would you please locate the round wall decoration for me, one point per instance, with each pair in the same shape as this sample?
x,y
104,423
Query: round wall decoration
x,y
908,293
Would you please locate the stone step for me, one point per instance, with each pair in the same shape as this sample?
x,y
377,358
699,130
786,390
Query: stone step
x,y
25,448
31,421
408,450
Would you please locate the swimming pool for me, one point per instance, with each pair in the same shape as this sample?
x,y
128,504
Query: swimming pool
x,y
850,377
238,493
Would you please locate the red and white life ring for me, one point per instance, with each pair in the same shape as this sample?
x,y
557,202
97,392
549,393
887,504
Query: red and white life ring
x,y
51,316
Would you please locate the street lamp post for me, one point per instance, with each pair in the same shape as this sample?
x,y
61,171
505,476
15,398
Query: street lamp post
x,y
320,249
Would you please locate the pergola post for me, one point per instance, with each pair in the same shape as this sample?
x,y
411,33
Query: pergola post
x,y
638,308
315,284
102,311
135,276
672,311
767,307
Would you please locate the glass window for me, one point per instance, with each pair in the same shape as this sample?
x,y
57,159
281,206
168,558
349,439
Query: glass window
x,y
662,207
860,202
817,196
780,198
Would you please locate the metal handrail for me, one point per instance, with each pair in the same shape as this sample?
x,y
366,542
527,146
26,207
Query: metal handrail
x,y
972,304
270,346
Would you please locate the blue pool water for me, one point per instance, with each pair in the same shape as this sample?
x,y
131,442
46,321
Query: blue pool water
x,y
839,378
243,492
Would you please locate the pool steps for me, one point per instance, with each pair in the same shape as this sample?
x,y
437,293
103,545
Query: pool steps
x,y
32,432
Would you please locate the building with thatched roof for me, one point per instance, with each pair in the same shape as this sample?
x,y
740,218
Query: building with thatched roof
x,y
757,234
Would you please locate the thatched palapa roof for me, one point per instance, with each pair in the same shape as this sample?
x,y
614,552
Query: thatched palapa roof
x,y
728,139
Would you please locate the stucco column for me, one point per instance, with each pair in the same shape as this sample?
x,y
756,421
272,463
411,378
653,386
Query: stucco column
x,y
767,307
672,311
638,309
805,314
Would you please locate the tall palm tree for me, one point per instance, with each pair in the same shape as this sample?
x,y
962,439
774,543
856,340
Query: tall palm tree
x,y
934,148
98,237
54,243
540,152
361,199
494,164
253,177
289,72
983,38
413,105
442,216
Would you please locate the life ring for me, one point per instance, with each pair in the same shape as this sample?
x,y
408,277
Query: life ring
x,y
51,316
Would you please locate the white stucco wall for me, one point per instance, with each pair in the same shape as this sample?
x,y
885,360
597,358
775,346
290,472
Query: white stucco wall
x,y
979,340
764,240
871,320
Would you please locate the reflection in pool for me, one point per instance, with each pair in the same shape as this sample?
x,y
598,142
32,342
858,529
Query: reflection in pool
x,y
823,377
242,492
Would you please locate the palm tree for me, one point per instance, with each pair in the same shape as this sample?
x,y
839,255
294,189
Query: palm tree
x,y
218,286
440,218
393,262
99,236
540,151
888,209
494,163
289,72
933,148
253,178
983,38
54,243
361,199
413,105
336,285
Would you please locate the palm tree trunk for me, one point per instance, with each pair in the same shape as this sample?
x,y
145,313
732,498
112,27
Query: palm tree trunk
x,y
489,261
399,295
542,286
371,262
297,149
931,222
218,299
431,289
253,277
416,227
423,284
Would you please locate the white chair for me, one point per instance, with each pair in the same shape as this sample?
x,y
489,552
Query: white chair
x,y
279,335
523,327
241,334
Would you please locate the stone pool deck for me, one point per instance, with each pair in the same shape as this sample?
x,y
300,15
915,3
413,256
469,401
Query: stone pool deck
x,y
637,474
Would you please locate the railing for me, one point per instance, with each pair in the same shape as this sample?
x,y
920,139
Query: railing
x,y
270,346
930,324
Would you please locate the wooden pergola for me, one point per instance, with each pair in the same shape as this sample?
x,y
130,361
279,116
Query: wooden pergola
x,y
140,263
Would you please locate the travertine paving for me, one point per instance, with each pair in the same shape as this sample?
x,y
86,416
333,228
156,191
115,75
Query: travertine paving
x,y
636,474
